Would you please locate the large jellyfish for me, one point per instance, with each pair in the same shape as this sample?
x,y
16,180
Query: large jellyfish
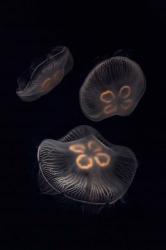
x,y
83,166
113,87
42,77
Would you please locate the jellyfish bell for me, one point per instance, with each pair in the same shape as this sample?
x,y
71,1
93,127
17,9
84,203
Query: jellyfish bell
x,y
114,87
84,167
45,74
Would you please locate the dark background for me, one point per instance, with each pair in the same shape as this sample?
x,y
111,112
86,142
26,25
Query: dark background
x,y
92,31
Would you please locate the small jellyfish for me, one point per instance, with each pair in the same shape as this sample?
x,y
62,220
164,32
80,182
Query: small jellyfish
x,y
45,75
84,167
113,87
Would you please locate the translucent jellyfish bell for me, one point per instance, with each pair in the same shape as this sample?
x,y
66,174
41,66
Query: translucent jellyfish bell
x,y
113,87
84,167
45,75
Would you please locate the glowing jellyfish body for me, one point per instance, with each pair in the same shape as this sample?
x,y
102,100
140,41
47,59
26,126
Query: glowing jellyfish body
x,y
113,87
83,166
41,78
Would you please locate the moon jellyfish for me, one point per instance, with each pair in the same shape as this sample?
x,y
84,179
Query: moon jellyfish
x,y
113,87
45,75
84,167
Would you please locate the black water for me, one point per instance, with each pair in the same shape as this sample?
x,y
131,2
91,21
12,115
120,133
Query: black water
x,y
92,32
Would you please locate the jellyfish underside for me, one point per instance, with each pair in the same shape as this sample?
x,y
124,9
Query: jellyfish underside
x,y
46,75
88,160
114,87
117,103
84,167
